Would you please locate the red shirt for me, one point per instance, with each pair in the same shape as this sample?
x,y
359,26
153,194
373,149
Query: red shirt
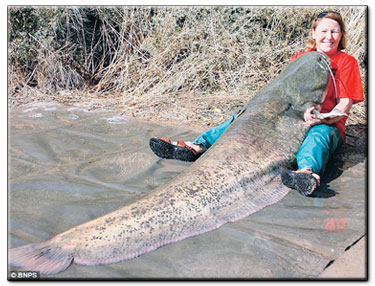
x,y
348,83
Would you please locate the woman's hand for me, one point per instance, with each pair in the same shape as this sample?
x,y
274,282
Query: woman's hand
x,y
344,105
310,117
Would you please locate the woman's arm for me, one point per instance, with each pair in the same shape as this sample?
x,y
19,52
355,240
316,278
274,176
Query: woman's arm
x,y
343,105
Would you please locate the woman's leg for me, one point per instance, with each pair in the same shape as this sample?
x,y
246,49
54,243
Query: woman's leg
x,y
209,137
320,143
188,151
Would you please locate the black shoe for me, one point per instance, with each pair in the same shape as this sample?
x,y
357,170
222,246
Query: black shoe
x,y
165,149
304,183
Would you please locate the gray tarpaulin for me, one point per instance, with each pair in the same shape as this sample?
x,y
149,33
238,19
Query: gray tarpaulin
x,y
68,166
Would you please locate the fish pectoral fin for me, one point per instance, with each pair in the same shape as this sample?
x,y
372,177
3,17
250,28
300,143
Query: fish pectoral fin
x,y
45,257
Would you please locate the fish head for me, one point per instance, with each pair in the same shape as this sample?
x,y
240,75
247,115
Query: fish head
x,y
308,79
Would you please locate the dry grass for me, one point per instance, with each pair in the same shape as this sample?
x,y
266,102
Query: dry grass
x,y
193,65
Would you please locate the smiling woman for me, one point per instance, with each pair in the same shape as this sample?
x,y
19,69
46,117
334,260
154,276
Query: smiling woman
x,y
327,26
327,36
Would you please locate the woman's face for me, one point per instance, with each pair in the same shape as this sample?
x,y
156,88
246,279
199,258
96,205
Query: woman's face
x,y
327,36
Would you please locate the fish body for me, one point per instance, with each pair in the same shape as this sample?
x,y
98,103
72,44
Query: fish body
x,y
237,176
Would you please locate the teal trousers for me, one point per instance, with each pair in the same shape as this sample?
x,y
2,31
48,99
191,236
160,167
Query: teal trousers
x,y
208,138
319,144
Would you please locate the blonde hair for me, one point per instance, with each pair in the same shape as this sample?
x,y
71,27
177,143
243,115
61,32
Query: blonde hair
x,y
311,44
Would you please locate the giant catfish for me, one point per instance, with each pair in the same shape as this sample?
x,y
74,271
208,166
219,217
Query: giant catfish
x,y
237,176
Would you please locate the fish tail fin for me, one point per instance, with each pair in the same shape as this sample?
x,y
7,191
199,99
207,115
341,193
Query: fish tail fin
x,y
46,257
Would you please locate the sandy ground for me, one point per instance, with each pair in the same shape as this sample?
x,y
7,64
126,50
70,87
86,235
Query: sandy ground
x,y
351,265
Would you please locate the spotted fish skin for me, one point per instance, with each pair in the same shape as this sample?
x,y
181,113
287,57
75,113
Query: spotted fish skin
x,y
237,176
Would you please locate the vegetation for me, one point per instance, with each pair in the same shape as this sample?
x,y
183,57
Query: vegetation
x,y
189,64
